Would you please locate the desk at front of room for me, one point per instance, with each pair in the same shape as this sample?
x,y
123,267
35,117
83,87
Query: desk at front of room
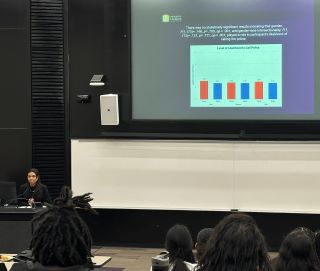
x,y
15,228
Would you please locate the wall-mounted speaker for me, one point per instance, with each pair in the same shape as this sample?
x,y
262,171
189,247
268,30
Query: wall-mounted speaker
x,y
109,109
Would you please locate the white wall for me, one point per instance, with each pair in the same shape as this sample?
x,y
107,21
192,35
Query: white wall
x,y
198,175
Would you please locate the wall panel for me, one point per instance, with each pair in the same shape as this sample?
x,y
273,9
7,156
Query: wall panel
x,y
15,90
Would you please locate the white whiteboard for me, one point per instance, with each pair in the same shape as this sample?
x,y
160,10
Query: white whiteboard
x,y
198,175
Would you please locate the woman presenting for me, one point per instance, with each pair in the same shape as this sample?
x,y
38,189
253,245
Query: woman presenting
x,y
34,191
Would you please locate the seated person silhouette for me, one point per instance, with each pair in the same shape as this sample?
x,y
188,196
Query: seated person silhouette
x,y
179,245
202,239
235,244
298,252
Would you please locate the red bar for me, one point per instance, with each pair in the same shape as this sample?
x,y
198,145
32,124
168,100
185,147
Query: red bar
x,y
231,91
203,90
258,86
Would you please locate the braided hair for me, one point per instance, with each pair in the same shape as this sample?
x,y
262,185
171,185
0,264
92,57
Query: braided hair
x,y
61,237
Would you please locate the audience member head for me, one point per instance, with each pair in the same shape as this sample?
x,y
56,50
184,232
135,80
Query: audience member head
x,y
33,176
61,237
297,252
236,244
179,245
202,238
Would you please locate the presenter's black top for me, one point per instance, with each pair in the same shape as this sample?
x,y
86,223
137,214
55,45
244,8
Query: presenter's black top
x,y
39,193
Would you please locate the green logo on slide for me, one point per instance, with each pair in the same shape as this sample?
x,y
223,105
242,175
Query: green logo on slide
x,y
165,18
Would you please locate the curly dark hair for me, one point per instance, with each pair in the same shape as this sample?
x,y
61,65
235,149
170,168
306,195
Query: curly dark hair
x,y
298,252
61,237
236,244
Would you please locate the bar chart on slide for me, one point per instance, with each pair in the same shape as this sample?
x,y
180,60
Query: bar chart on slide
x,y
248,75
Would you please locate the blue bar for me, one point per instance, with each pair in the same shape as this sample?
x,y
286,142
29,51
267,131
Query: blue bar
x,y
217,91
244,90
273,91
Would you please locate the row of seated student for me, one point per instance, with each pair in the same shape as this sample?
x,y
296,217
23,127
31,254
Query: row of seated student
x,y
62,241
236,244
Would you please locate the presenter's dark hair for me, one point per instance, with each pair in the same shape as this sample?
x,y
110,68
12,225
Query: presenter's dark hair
x,y
179,245
35,171
236,244
298,252
61,237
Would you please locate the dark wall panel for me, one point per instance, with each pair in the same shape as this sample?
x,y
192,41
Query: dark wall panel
x,y
15,78
147,228
16,150
98,44
13,13
15,91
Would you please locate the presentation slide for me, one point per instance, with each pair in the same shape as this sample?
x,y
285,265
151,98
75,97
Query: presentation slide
x,y
225,60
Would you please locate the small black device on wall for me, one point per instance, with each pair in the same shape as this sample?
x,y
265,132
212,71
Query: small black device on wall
x,y
83,98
